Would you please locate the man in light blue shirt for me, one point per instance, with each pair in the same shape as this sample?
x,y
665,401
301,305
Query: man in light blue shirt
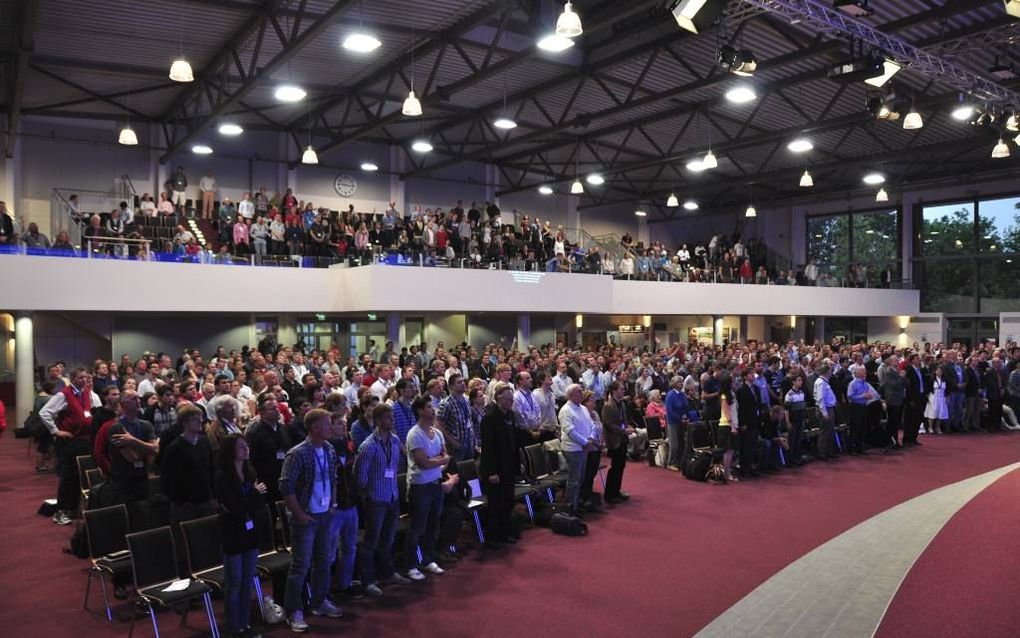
x,y
859,393
825,401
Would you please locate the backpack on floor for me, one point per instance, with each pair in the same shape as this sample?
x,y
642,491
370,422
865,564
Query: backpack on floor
x,y
568,525
697,464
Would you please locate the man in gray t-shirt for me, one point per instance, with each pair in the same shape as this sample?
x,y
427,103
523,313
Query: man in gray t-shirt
x,y
426,458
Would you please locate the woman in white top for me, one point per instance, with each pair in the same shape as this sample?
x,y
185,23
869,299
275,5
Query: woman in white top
x,y
577,438
937,410
608,266
246,207
147,206
627,266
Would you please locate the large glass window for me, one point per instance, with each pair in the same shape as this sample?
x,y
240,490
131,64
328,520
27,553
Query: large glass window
x,y
835,242
999,225
948,285
999,285
947,229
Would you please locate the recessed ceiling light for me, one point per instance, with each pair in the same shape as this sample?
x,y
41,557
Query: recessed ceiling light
x,y
741,94
422,146
874,179
231,129
369,167
695,166
555,43
690,204
963,112
361,43
545,190
800,145
640,213
595,179
289,93
505,123
201,149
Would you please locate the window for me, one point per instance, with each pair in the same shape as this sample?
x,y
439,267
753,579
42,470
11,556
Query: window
x,y
829,243
999,225
948,285
947,229
835,242
999,285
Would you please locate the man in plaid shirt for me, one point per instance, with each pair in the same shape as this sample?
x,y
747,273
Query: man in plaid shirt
x,y
454,419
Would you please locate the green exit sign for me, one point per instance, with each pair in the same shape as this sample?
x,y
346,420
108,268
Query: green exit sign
x,y
320,317
371,316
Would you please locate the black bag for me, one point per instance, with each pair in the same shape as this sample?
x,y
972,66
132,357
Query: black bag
x,y
696,465
79,543
568,525
544,512
650,455
716,474
34,425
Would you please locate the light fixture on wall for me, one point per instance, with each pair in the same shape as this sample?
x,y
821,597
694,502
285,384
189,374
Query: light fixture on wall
x,y
568,25
412,105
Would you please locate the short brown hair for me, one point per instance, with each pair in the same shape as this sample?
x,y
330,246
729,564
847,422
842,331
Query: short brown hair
x,y
315,415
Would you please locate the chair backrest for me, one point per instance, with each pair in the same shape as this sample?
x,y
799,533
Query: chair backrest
x,y
653,425
153,556
537,460
264,531
468,470
84,463
107,527
93,478
281,512
203,543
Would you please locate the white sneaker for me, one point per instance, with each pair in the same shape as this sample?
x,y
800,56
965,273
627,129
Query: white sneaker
x,y
415,574
373,590
274,613
433,568
61,518
327,609
297,622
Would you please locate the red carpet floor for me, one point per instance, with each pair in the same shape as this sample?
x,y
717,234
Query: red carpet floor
x,y
664,564
967,582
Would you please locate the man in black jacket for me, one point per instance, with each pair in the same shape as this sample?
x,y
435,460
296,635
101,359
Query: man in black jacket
x,y
749,419
914,401
345,523
956,381
499,462
269,441
972,391
995,392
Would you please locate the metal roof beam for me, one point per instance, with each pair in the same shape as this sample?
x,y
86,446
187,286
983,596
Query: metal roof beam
x,y
201,104
24,38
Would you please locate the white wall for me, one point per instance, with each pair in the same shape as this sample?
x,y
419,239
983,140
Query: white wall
x,y
134,334
920,327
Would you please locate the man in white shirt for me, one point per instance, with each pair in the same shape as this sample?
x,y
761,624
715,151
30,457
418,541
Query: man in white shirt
x,y
503,373
577,438
351,391
527,409
207,186
561,382
246,207
825,400
546,400
382,385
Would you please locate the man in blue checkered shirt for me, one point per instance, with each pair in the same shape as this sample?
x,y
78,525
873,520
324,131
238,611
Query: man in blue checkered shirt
x,y
454,419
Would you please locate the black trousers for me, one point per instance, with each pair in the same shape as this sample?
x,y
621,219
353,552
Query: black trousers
x,y
499,507
591,468
994,414
893,421
69,483
913,412
858,425
614,477
748,448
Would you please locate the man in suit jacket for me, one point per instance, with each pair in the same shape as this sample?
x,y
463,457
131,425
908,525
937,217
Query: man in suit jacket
x,y
914,401
749,419
953,373
995,393
618,430
498,464
972,392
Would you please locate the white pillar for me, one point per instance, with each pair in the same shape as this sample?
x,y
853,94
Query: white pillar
x,y
24,366
743,328
395,328
523,332
717,330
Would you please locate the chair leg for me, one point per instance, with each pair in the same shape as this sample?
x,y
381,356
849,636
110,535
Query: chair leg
x,y
152,615
531,509
88,588
213,627
262,603
478,526
549,494
106,598
602,478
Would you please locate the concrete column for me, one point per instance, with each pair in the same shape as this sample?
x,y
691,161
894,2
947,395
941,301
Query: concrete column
x,y
743,328
24,367
286,329
395,328
523,332
819,330
717,330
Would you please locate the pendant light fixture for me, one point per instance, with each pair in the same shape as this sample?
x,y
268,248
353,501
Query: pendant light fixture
x,y
913,120
1000,150
690,204
881,196
568,25
672,201
309,156
361,41
180,70
412,105
750,212
545,190
806,181
577,188
504,121
127,136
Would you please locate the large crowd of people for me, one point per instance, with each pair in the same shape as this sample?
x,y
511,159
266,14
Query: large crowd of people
x,y
328,435
263,225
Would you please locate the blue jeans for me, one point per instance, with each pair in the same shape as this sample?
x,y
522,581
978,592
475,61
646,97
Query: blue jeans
x,y
345,534
238,577
575,472
957,402
426,503
310,554
380,530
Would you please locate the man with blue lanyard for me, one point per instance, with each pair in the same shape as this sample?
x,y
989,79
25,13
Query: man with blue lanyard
x,y
677,408
859,394
308,486
403,415
376,471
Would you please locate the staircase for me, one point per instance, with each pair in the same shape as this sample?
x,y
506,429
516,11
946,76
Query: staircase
x,y
206,234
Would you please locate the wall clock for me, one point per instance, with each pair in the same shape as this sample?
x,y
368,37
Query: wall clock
x,y
345,185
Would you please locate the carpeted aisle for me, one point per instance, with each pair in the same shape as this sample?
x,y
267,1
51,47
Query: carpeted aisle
x,y
664,564
967,581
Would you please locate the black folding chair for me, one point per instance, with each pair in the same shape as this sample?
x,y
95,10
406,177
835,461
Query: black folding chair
x,y
203,550
106,529
537,463
468,471
84,463
155,568
273,561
